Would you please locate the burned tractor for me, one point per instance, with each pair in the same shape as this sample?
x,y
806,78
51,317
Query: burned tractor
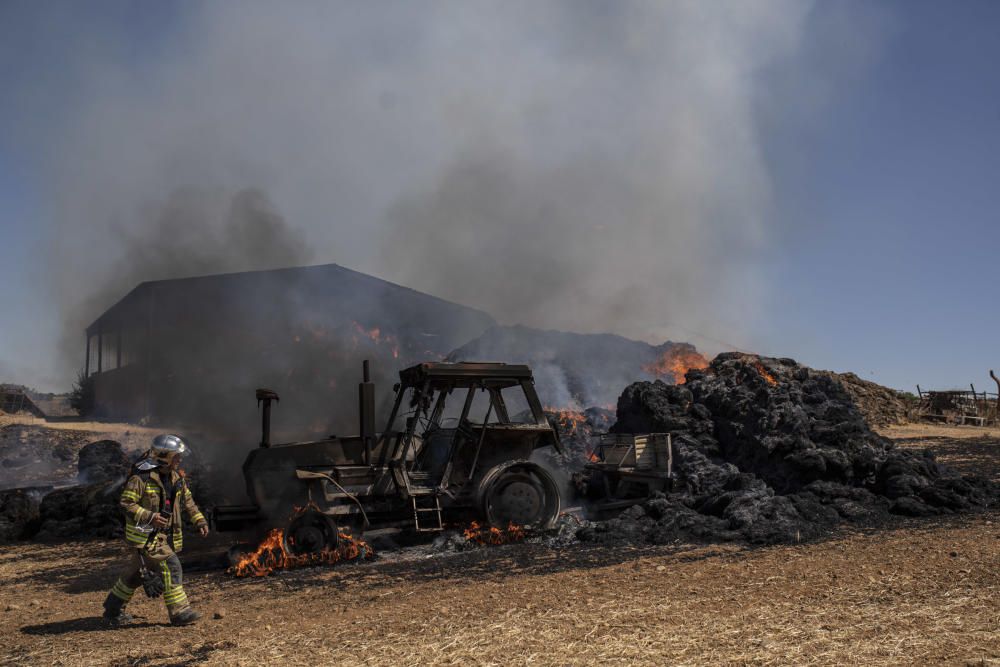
x,y
456,447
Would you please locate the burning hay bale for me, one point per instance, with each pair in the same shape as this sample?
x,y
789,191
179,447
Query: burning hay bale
x,y
577,431
770,451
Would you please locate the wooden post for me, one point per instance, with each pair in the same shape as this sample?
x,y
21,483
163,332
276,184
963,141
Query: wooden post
x,y
993,375
86,367
100,349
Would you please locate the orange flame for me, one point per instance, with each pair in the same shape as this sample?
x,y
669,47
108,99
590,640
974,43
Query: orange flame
x,y
376,336
567,420
483,535
271,555
675,363
763,372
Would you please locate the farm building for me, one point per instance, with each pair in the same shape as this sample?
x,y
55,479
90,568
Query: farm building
x,y
190,352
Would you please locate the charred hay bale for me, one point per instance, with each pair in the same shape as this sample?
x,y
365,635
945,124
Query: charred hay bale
x,y
912,506
657,407
102,461
676,522
769,519
919,487
786,424
88,510
18,509
851,503
631,527
696,475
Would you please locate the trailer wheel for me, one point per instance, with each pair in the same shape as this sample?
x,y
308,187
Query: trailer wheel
x,y
310,532
522,493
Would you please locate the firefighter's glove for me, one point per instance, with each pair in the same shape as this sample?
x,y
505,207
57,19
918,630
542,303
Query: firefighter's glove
x,y
152,584
160,520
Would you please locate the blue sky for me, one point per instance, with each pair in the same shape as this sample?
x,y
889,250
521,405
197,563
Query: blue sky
x,y
892,208
878,128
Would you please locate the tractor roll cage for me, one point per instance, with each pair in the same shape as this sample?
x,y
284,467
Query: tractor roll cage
x,y
443,378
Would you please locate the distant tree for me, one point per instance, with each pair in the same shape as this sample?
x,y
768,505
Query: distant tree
x,y
81,398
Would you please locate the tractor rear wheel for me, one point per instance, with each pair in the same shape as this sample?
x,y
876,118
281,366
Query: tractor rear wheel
x,y
310,531
521,493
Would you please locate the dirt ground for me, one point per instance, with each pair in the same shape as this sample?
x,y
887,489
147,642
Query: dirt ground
x,y
970,449
918,592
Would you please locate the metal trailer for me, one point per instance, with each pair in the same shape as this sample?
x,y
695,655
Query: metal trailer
x,y
456,447
627,467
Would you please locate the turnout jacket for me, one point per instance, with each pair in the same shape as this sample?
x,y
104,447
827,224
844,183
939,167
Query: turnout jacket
x,y
145,494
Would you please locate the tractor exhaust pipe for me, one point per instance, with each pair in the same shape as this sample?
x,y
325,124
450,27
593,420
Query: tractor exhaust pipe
x,y
265,396
366,411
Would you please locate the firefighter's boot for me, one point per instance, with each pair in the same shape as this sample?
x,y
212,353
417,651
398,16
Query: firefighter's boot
x,y
185,617
114,611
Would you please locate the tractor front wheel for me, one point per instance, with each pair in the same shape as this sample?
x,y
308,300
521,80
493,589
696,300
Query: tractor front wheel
x,y
520,493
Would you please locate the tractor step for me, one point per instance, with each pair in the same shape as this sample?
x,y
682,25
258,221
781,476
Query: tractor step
x,y
428,507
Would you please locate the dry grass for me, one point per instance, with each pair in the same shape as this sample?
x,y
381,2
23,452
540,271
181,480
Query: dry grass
x,y
917,594
102,429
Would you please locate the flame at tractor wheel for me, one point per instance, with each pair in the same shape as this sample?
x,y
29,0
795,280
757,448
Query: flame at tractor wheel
x,y
484,535
271,555
675,363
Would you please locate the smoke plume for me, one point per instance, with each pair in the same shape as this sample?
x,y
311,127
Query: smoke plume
x,y
577,165
191,231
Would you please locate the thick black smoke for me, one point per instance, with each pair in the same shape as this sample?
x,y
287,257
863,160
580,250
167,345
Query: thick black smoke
x,y
190,232
580,166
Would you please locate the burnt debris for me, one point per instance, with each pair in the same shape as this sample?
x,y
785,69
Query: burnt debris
x,y
767,450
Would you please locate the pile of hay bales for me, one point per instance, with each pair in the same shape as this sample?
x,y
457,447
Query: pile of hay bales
x,y
768,450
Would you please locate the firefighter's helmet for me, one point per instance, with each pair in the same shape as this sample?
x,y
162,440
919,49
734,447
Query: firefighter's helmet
x,y
165,448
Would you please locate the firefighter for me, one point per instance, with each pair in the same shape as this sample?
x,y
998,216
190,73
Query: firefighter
x,y
152,500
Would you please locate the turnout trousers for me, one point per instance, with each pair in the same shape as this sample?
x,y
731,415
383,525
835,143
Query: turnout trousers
x,y
159,560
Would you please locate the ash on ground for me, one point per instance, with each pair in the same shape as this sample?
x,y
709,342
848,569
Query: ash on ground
x,y
767,450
